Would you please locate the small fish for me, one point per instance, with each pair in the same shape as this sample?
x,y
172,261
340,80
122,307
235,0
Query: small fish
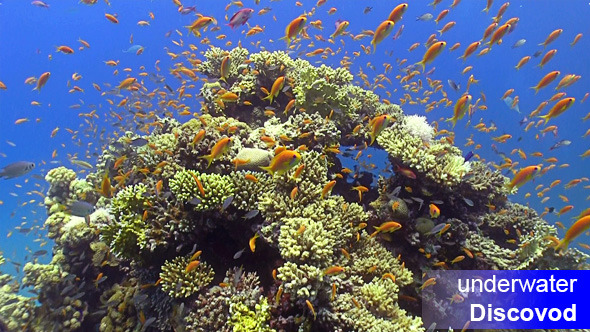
x,y
239,253
195,201
454,85
434,211
240,17
425,17
519,43
367,10
559,144
283,162
468,201
252,242
81,208
429,282
133,49
138,142
251,214
382,31
227,202
468,156
579,227
387,227
16,169
81,163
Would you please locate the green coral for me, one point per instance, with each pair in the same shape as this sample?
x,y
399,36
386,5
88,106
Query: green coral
x,y
442,163
216,187
59,180
178,283
243,319
126,234
247,192
16,311
54,224
524,226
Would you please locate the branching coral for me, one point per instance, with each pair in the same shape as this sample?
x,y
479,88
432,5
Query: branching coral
x,y
442,163
187,185
126,234
178,282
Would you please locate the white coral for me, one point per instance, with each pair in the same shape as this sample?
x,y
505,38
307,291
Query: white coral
x,y
417,126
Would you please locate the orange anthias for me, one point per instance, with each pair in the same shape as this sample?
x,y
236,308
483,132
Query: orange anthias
x,y
579,227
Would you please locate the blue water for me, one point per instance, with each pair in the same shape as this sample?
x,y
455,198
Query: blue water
x,y
29,36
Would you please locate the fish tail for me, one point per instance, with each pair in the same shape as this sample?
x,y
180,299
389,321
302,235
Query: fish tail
x,y
422,64
535,88
453,120
209,159
268,169
270,97
562,246
545,117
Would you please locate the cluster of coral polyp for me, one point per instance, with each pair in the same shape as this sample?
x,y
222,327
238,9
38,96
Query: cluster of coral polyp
x,y
178,244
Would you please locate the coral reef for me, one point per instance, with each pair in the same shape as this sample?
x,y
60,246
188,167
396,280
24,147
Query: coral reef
x,y
301,250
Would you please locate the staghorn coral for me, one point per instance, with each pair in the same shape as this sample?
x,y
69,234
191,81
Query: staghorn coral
x,y
178,283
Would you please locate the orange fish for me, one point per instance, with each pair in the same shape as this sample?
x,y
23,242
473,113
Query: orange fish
x,y
548,56
523,176
522,62
441,15
387,227
498,34
560,107
433,51
65,49
293,29
333,270
383,30
377,125
579,227
191,266
218,150
283,162
397,12
42,80
328,188
111,18
461,107
552,36
576,38
277,86
546,80
469,50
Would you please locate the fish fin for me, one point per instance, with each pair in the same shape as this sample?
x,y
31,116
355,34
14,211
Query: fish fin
x,y
422,64
268,169
562,246
209,159
545,117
